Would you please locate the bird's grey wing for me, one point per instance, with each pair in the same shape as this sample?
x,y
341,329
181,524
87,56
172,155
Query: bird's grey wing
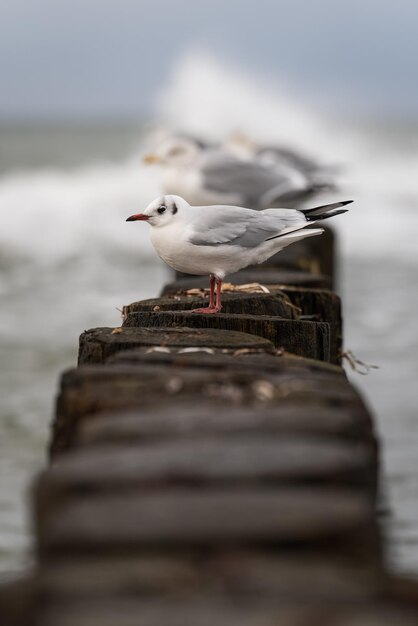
x,y
237,227
250,180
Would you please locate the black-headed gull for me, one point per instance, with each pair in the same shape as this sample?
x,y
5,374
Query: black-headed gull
x,y
221,240
207,175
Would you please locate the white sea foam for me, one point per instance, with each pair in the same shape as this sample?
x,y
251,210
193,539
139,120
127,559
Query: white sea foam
x,y
52,215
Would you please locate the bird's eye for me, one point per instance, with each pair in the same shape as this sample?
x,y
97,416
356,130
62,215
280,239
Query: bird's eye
x,y
162,209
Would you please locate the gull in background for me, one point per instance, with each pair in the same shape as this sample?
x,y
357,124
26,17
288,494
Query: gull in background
x,y
245,147
220,240
207,175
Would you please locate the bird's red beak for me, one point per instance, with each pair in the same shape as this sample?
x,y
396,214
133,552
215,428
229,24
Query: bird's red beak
x,y
138,216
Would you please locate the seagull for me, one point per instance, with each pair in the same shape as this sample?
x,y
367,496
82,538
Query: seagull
x,y
245,147
281,157
220,240
209,175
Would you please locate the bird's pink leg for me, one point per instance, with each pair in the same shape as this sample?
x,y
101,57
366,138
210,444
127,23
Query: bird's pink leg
x,y
218,306
212,291
211,308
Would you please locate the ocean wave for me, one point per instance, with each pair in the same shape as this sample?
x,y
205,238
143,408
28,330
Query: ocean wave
x,y
52,215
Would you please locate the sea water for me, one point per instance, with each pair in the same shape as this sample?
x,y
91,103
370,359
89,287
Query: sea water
x,y
69,261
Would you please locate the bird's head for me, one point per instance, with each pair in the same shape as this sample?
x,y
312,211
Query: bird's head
x,y
178,151
161,211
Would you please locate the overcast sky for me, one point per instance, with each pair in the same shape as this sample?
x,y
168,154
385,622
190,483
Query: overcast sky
x,y
62,58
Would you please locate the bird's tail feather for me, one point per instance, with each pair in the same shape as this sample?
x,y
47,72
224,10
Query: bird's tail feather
x,y
312,216
304,232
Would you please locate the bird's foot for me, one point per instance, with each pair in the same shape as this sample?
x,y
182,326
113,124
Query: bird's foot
x,y
208,310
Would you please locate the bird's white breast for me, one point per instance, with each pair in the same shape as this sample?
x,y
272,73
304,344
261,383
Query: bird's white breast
x,y
172,245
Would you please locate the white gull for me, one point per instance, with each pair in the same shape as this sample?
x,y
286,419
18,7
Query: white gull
x,y
221,240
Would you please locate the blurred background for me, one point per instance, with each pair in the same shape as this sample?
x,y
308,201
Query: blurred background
x,y
84,87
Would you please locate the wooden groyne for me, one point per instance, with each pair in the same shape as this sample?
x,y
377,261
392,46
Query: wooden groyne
x,y
214,469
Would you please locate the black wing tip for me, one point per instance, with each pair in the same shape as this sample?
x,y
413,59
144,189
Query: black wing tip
x,y
325,207
337,212
325,216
